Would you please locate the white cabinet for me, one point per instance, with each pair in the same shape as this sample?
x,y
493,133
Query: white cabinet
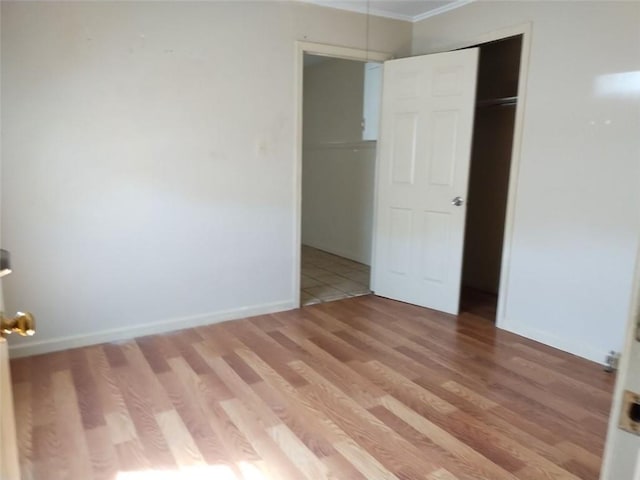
x,y
371,100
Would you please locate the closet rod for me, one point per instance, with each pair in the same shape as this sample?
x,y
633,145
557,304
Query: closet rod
x,y
495,102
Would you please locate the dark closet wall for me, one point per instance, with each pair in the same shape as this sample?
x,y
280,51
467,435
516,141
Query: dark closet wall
x,y
498,71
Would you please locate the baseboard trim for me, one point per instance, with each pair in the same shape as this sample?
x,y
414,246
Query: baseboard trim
x,y
566,345
163,326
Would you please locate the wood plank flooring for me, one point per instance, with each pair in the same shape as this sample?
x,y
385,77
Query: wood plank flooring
x,y
363,388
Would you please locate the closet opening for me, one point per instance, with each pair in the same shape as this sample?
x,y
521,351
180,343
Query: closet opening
x,y
496,100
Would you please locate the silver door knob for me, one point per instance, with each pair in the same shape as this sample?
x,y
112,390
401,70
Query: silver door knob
x,y
457,201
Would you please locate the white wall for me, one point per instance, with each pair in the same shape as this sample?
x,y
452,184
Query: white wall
x,y
337,166
576,227
148,159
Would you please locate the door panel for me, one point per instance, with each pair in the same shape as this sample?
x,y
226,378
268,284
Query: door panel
x,y
442,161
405,127
428,104
399,246
622,448
434,246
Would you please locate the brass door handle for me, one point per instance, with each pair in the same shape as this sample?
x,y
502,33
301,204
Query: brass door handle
x,y
23,324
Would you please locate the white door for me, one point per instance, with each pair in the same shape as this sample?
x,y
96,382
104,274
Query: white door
x,y
428,104
9,468
9,452
622,448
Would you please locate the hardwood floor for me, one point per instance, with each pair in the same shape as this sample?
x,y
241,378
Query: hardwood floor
x,y
363,388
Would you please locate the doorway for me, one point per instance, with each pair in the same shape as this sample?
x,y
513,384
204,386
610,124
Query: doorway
x,y
490,168
316,49
339,132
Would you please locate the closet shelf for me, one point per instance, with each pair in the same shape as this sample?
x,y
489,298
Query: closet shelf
x,y
496,102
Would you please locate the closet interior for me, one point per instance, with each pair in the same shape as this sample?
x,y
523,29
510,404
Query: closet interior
x,y
496,100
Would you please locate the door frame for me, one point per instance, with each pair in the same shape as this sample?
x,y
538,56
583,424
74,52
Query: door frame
x,y
325,50
625,370
9,459
524,29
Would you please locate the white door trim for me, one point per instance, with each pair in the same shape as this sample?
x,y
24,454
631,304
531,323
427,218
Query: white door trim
x,y
9,466
615,436
525,29
333,51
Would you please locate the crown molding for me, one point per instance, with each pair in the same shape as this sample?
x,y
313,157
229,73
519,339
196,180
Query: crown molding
x,y
385,13
442,9
360,9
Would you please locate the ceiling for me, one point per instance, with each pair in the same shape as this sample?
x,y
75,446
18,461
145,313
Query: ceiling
x,y
409,10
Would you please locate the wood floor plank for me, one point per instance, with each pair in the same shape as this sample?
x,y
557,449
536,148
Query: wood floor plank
x,y
277,461
87,392
395,453
101,369
24,426
141,409
190,413
395,384
44,411
181,443
144,377
307,462
437,454
312,434
102,454
365,463
222,441
69,426
243,391
133,458
528,400
523,432
341,468
377,349
467,456
441,474
362,388
309,421
271,351
583,463
48,453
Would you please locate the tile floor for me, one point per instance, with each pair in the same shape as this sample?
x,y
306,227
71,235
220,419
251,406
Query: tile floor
x,y
326,277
